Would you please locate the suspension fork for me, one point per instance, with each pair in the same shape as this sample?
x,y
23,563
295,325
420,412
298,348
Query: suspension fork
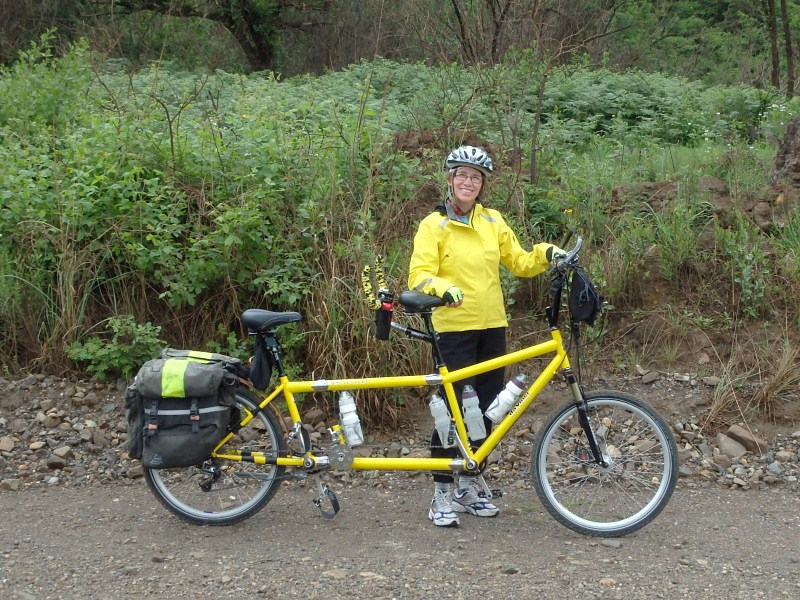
x,y
583,416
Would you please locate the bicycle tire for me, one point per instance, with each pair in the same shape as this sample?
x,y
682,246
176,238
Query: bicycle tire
x,y
605,501
242,489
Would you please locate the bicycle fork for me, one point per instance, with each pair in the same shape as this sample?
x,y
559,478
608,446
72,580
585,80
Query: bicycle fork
x,y
583,417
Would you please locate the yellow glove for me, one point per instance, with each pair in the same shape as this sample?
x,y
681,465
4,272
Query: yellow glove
x,y
453,295
554,254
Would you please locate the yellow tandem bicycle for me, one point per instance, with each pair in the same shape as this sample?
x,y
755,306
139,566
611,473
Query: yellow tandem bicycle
x,y
604,464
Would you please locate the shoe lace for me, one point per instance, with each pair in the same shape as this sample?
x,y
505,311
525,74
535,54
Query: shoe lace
x,y
441,502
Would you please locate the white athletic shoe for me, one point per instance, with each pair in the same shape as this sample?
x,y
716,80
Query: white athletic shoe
x,y
441,511
469,501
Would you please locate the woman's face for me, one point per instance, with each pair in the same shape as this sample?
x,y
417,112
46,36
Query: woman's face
x,y
466,184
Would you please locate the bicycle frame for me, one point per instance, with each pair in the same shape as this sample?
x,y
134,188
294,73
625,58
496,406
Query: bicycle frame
x,y
470,460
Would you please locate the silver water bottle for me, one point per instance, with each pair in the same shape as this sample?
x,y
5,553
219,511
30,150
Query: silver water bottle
x,y
442,420
473,417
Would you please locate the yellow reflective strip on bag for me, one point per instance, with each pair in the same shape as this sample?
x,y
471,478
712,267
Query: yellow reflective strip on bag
x,y
172,378
206,356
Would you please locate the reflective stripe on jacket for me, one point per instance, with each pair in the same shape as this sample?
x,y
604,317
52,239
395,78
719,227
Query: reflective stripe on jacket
x,y
449,253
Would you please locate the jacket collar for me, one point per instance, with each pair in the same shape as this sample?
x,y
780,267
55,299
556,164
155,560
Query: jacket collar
x,y
452,215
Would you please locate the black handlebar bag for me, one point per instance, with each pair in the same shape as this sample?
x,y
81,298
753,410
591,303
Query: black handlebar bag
x,y
585,301
179,407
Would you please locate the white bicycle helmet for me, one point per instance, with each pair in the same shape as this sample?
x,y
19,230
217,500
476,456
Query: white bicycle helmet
x,y
469,156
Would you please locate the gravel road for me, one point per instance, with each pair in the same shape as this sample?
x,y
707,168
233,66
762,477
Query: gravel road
x,y
116,541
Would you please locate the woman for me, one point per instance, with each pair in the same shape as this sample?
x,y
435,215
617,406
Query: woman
x,y
458,250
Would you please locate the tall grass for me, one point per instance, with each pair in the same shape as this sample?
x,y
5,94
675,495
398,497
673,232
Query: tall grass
x,y
760,380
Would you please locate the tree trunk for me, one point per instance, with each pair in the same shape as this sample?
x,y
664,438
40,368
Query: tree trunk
x,y
463,33
773,39
787,35
256,33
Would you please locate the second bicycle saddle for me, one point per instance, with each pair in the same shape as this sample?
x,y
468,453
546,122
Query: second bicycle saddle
x,y
414,301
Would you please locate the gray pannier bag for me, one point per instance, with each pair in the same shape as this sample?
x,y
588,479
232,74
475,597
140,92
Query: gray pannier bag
x,y
179,407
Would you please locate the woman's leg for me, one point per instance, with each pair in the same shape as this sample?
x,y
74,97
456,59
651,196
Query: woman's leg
x,y
459,349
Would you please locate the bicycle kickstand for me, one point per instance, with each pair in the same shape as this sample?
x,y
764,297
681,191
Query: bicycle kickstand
x,y
326,493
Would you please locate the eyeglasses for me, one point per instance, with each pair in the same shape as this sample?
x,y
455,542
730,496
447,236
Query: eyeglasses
x,y
461,176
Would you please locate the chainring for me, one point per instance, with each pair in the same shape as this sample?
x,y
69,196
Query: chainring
x,y
341,456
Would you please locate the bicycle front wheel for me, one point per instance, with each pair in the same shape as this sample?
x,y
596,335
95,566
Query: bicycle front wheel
x,y
221,492
623,496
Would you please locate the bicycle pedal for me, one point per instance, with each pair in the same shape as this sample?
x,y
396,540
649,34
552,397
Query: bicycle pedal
x,y
326,493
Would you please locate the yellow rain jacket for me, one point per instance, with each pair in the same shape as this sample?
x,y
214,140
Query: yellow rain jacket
x,y
450,253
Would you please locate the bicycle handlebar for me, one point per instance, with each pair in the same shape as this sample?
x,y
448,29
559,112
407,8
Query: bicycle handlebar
x,y
571,259
558,274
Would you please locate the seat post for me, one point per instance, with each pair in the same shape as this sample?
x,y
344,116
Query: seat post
x,y
272,344
434,338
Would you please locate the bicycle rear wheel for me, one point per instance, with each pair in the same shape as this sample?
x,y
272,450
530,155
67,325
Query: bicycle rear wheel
x,y
221,492
625,495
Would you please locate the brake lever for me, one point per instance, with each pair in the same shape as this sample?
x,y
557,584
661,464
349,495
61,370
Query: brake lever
x,y
559,269
571,259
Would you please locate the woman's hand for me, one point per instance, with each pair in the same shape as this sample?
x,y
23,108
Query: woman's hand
x,y
554,254
453,297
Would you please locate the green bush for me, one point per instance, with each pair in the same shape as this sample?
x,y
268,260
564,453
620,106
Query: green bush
x,y
743,247
130,344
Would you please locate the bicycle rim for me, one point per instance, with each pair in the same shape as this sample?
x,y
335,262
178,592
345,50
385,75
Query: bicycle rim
x,y
242,488
625,495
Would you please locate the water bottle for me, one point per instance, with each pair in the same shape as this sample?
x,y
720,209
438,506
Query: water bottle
x,y
348,417
442,420
383,315
473,417
506,398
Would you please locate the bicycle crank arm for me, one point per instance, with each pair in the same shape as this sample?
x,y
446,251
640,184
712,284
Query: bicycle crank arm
x,y
486,492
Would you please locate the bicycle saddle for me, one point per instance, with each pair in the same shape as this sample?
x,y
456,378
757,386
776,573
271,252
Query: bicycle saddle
x,y
414,301
257,319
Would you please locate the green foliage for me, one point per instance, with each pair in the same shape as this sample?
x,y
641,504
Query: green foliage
x,y
788,236
713,41
42,93
545,212
185,198
676,232
188,43
121,355
230,343
743,247
787,246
